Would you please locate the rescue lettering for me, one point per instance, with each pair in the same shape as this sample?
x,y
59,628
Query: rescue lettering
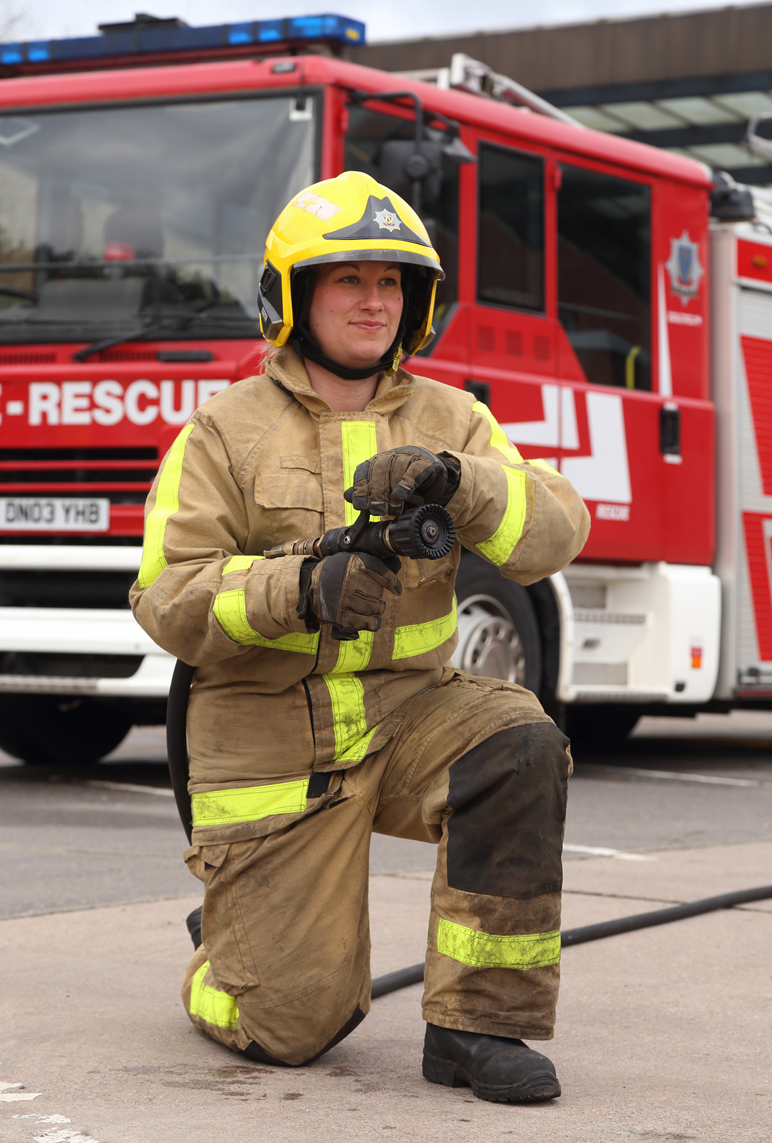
x,y
109,402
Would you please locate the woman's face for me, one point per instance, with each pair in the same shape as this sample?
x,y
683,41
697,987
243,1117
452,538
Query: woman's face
x,y
355,310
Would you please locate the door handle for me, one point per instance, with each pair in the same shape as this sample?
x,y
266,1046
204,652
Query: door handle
x,y
670,429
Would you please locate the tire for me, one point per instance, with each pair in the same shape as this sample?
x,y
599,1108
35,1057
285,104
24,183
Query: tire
x,y
497,626
594,728
60,730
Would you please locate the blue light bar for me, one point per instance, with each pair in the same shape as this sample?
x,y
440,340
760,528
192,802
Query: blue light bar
x,y
147,40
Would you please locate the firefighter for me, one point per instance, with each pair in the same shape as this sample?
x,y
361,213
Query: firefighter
x,y
301,743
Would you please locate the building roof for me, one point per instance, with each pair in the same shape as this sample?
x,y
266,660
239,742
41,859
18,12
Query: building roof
x,y
687,82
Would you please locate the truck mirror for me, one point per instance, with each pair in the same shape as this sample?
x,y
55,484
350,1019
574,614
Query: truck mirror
x,y
402,163
730,202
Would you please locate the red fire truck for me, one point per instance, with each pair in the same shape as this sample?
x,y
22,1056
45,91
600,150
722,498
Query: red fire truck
x,y
584,303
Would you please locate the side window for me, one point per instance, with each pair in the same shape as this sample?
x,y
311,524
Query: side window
x,y
366,135
604,294
510,243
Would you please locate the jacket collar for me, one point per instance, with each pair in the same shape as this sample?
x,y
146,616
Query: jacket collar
x,y
289,371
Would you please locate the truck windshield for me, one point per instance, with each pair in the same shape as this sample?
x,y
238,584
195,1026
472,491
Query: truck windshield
x,y
117,219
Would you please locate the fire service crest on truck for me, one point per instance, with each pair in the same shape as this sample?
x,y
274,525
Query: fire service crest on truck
x,y
684,268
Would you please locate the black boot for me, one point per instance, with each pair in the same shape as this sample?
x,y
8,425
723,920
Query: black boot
x,y
496,1068
193,921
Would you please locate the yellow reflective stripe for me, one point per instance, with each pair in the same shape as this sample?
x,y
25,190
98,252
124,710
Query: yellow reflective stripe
x,y
354,654
240,563
359,443
230,610
167,502
249,803
347,694
210,1004
356,751
502,543
543,464
352,737
499,439
418,638
484,950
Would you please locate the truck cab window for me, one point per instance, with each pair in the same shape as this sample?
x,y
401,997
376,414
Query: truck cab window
x,y
604,250
510,260
367,133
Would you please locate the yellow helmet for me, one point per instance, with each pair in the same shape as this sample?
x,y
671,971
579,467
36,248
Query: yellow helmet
x,y
349,218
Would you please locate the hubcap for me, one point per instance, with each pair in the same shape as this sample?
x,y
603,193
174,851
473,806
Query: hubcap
x,y
488,642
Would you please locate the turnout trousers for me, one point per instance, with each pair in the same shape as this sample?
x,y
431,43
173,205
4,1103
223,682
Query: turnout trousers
x,y
477,768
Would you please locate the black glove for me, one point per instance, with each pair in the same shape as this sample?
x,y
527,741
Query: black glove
x,y
403,477
347,590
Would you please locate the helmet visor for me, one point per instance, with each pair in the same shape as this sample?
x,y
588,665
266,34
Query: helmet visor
x,y
412,258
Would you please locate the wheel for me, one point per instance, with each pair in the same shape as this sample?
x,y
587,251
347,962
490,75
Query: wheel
x,y
597,727
50,730
498,635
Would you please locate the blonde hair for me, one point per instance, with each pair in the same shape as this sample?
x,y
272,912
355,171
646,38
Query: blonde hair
x,y
268,353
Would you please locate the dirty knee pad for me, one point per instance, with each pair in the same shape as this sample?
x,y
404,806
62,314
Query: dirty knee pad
x,y
508,797
255,1052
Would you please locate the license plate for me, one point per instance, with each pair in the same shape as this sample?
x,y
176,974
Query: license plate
x,y
53,514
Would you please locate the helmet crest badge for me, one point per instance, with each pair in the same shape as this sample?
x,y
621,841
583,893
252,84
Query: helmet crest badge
x,y
387,220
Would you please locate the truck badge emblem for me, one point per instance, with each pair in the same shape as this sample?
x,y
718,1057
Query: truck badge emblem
x,y
684,268
386,220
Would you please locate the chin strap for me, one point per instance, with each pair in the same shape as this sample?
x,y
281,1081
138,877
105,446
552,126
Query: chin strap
x,y
306,346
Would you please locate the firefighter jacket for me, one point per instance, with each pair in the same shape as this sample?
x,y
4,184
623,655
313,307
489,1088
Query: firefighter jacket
x,y
267,461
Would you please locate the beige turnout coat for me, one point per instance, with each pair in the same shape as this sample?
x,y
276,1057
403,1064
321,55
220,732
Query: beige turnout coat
x,y
267,461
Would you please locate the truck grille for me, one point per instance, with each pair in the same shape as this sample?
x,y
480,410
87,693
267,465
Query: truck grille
x,y
123,475
33,358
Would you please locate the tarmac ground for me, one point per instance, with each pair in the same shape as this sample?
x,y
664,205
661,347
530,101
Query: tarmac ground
x,y
663,1034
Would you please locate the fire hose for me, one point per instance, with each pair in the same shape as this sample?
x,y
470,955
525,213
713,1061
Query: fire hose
x,y
425,533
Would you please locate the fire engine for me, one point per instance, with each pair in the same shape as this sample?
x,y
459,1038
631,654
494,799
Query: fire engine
x,y
611,327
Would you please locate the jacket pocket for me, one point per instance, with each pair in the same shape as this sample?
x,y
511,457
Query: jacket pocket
x,y
290,504
290,488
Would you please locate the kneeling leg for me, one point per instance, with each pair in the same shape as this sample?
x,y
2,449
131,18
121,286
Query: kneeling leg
x,y
283,971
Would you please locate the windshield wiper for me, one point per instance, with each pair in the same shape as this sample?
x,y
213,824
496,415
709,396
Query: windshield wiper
x,y
165,326
14,292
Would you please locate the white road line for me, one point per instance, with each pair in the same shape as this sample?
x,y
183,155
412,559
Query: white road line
x,y
44,1118
129,789
52,1134
603,851
17,1096
677,777
63,1135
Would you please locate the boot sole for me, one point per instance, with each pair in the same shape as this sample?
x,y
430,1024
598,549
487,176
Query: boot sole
x,y
537,1087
